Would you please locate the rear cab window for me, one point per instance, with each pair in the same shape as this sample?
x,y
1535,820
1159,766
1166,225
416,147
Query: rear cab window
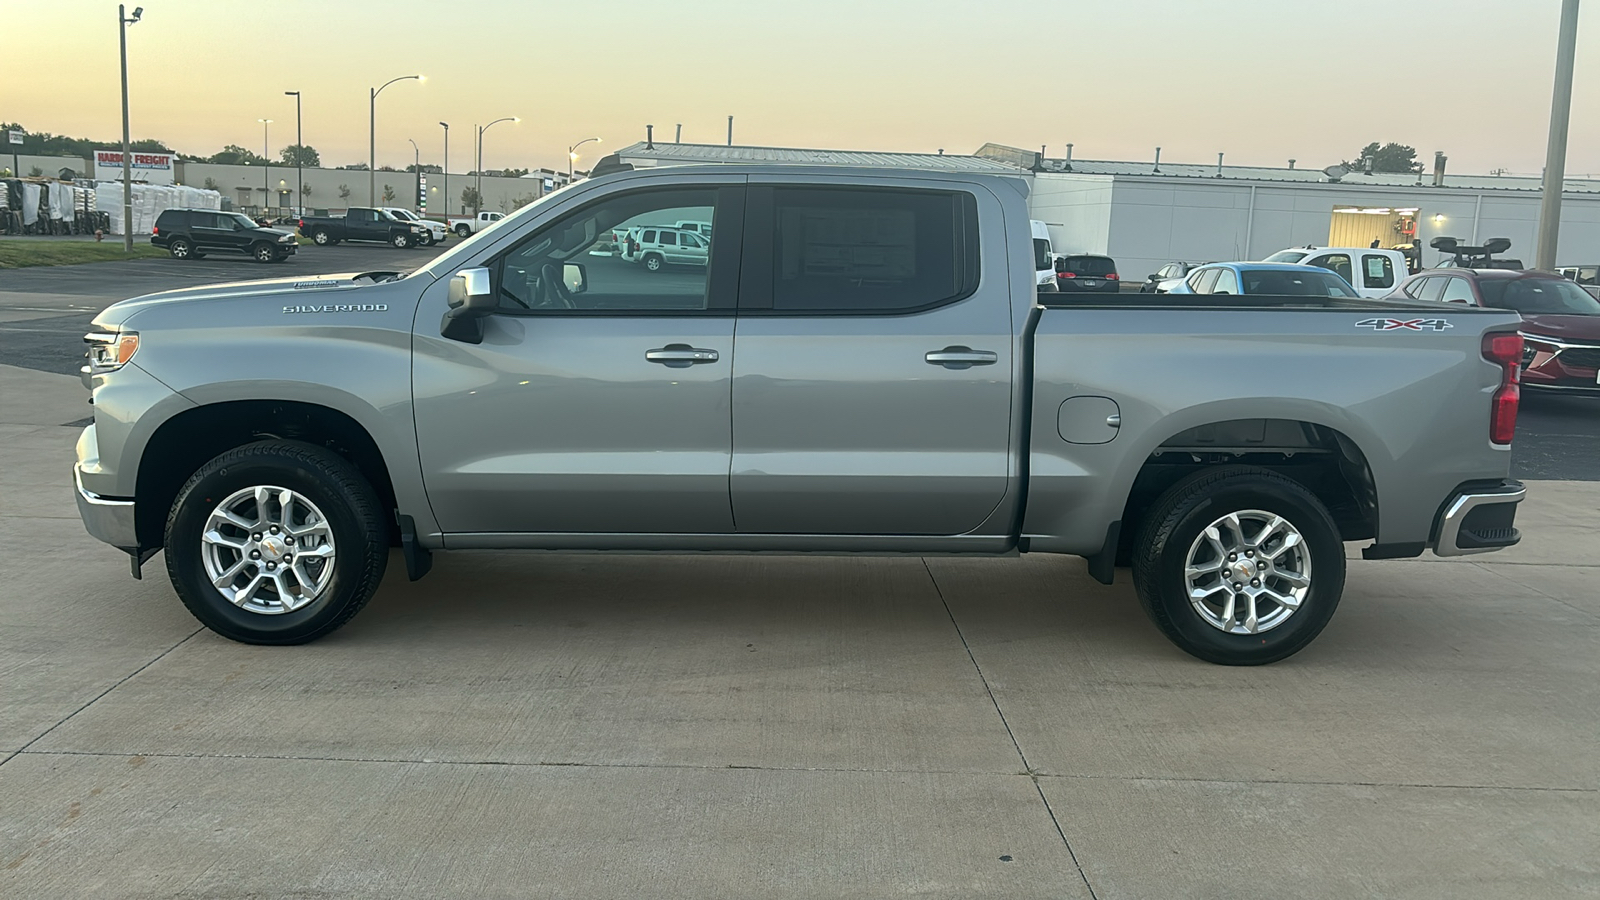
x,y
863,250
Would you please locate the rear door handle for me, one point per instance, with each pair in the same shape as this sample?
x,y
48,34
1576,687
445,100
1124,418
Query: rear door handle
x,y
681,356
960,357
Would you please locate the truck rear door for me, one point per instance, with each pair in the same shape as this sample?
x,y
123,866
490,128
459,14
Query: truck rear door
x,y
872,386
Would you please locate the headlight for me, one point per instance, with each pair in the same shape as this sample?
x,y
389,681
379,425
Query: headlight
x,y
286,239
109,352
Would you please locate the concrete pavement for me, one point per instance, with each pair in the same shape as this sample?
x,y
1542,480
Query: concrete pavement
x,y
610,725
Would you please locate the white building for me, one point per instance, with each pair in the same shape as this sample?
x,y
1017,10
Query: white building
x,y
1144,215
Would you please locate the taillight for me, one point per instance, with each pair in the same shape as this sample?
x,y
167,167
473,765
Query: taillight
x,y
1504,350
1066,275
302,223
1112,277
155,229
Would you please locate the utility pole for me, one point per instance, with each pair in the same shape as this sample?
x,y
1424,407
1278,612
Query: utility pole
x,y
127,151
730,131
447,201
416,172
299,158
478,186
372,135
1555,158
266,165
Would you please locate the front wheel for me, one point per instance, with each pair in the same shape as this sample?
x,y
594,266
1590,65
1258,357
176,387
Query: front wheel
x,y
401,241
276,542
1239,565
264,253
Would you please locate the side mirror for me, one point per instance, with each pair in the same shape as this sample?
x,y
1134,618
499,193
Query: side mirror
x,y
575,277
471,297
1152,277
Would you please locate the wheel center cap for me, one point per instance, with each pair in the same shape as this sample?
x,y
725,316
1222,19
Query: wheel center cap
x,y
271,548
1243,571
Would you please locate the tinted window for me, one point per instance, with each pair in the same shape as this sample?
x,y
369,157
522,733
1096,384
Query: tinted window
x,y
649,236
1088,266
1227,282
1431,287
1538,296
841,249
1286,256
1379,270
669,238
1310,283
1457,290
533,276
1202,281
1338,264
172,219
1041,254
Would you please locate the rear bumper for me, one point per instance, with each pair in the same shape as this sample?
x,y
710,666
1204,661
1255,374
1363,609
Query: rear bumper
x,y
109,520
1479,519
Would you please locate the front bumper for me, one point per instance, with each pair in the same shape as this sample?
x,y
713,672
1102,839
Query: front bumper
x,y
1479,519
109,520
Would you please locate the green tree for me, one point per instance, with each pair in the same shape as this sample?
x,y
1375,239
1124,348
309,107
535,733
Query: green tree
x,y
305,190
35,172
211,185
388,193
1391,158
235,155
344,192
471,197
297,155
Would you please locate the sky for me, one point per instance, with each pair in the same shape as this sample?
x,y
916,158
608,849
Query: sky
x,y
1259,80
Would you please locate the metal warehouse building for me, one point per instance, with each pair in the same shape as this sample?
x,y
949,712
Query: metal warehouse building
x,y
1144,214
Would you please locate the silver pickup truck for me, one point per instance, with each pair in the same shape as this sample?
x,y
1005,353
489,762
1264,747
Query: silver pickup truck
x,y
863,366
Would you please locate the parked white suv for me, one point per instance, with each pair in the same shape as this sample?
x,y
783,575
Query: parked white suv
x,y
658,247
435,232
1372,272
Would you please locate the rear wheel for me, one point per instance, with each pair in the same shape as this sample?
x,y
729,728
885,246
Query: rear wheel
x,y
277,542
180,248
1239,566
463,230
322,238
654,262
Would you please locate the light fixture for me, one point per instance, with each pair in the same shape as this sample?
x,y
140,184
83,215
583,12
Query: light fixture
x,y
1438,218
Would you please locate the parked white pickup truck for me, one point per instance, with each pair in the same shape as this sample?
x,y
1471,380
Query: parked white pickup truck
x,y
1372,272
469,225
435,230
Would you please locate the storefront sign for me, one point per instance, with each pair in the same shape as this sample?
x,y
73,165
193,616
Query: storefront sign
x,y
151,168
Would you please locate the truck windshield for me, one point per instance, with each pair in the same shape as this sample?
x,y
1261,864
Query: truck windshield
x,y
1310,283
1538,296
1041,254
1287,256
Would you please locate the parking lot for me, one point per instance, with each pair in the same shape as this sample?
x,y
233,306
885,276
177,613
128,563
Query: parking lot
x,y
732,726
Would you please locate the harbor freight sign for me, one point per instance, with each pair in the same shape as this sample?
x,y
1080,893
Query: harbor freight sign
x,y
151,168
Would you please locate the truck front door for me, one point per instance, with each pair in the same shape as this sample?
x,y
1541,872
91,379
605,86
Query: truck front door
x,y
872,389
596,404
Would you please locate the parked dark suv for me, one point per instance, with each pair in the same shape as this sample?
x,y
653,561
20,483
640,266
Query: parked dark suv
x,y
192,233
1085,272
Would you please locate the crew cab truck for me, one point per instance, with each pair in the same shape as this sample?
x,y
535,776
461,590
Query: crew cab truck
x,y
362,223
864,366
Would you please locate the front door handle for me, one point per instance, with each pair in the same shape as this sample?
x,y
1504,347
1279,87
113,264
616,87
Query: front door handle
x,y
959,357
680,356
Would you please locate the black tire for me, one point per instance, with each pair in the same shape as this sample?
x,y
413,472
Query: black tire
x,y
354,515
654,263
400,241
322,238
264,253
1176,521
180,248
427,239
463,230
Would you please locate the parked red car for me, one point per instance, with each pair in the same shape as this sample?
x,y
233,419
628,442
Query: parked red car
x,y
1560,320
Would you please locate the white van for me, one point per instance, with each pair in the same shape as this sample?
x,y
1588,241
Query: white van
x,y
1372,272
1044,257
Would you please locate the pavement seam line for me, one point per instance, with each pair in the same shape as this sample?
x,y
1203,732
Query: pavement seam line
x,y
96,699
1032,776
1552,597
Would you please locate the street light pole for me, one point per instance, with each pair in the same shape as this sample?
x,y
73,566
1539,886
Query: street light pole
x,y
572,155
478,185
266,165
127,151
416,174
1555,159
299,157
372,135
447,201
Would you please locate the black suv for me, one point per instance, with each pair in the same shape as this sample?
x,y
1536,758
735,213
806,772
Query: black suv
x,y
192,233
1087,272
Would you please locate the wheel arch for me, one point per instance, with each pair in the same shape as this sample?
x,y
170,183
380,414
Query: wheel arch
x,y
180,445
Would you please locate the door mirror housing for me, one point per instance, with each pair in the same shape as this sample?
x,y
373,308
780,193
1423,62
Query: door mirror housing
x,y
575,277
471,297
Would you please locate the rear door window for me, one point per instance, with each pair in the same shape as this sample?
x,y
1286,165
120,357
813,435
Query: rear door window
x,y
1338,264
1378,269
1432,287
1202,281
1227,282
1457,290
669,239
871,250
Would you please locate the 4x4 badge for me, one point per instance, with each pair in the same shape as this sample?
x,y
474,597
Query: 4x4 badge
x,y
1406,324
